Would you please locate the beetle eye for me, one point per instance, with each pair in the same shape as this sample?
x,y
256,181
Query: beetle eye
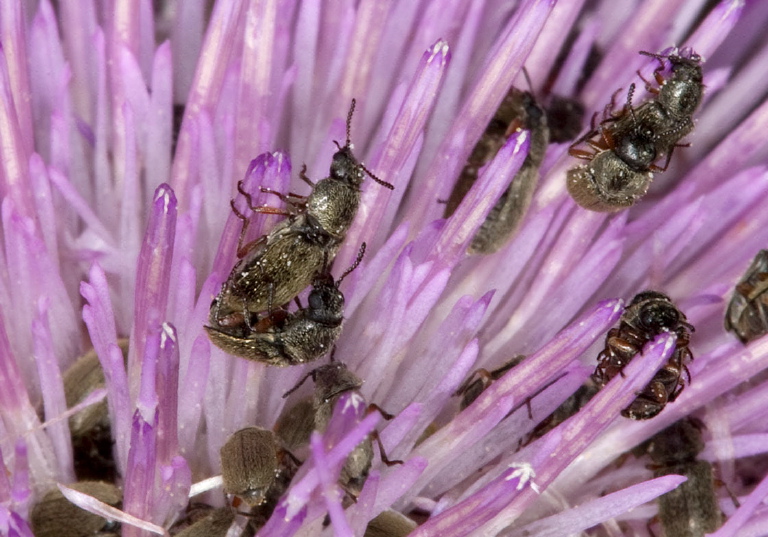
x,y
315,300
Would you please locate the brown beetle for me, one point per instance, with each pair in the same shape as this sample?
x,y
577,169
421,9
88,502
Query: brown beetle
x,y
649,314
90,428
296,423
390,523
214,524
256,468
517,111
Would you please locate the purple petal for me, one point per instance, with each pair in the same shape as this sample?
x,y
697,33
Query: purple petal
x,y
206,86
474,208
21,492
154,265
378,204
167,386
590,514
327,475
14,84
158,131
138,490
53,392
744,512
713,30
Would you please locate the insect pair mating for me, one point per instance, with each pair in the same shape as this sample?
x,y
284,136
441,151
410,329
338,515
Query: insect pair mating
x,y
249,317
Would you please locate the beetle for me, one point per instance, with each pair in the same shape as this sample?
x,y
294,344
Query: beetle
x,y
690,510
90,428
626,144
607,183
517,111
389,523
256,468
332,381
649,314
214,524
747,313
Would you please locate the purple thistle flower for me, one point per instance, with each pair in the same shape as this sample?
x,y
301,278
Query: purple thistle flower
x,y
116,224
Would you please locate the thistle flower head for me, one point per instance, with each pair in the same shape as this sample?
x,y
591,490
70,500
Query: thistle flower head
x,y
124,132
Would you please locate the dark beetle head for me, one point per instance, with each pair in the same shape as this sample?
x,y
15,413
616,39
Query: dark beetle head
x,y
334,379
345,167
326,303
655,312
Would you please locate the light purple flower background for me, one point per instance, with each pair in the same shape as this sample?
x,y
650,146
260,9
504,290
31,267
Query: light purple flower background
x,y
107,233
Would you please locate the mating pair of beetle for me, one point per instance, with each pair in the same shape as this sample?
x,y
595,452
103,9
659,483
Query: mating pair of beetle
x,y
249,318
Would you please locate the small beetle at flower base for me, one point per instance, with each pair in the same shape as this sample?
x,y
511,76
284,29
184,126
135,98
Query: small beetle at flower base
x,y
194,512
55,516
214,524
295,424
255,468
390,523
690,510
275,268
284,339
649,314
747,313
